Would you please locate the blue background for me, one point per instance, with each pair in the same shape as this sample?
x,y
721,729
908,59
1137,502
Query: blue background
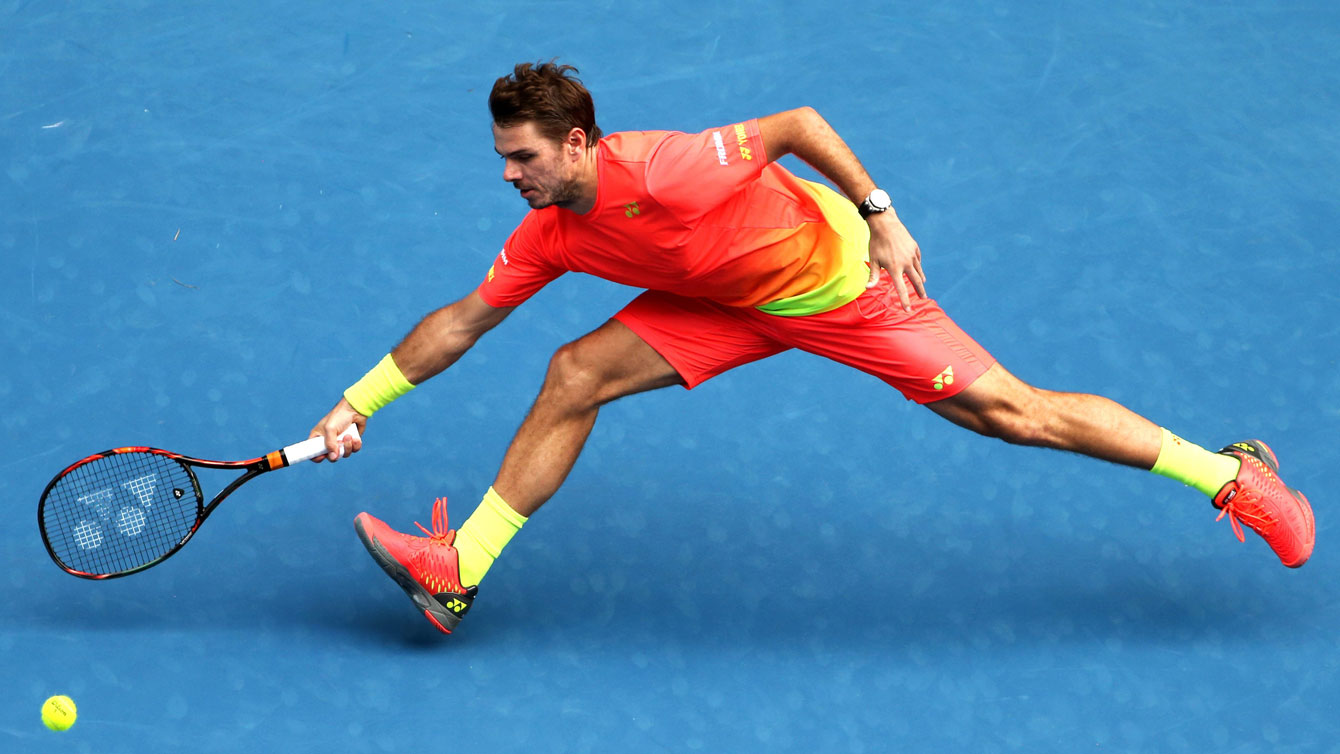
x,y
215,216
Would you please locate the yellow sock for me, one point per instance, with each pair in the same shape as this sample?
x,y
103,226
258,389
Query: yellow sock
x,y
1193,465
484,535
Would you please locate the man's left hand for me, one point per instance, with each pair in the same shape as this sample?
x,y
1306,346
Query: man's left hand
x,y
892,248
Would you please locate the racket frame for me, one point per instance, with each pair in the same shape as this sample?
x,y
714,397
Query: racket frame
x,y
253,467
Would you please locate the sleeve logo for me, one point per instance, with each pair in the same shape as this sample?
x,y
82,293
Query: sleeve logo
x,y
741,139
721,147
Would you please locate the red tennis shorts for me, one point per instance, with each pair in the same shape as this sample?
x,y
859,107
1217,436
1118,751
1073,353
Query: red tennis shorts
x,y
923,354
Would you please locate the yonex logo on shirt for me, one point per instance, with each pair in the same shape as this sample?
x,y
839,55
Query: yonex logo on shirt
x,y
742,138
630,209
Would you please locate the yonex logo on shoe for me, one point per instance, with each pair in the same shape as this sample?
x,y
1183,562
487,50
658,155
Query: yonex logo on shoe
x,y
455,605
944,378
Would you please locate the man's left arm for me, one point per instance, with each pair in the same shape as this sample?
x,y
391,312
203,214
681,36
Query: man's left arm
x,y
805,134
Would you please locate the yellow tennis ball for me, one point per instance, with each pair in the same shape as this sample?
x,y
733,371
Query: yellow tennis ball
x,y
58,712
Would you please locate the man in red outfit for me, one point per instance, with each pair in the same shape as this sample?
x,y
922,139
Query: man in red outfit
x,y
741,260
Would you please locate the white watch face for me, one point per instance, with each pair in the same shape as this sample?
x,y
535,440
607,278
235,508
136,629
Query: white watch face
x,y
879,199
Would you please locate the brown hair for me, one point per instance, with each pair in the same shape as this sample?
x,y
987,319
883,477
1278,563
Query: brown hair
x,y
549,95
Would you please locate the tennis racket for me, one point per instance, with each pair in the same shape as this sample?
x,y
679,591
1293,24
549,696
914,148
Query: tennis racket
x,y
123,510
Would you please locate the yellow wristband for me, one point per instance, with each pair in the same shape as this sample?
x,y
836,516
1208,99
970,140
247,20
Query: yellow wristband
x,y
383,384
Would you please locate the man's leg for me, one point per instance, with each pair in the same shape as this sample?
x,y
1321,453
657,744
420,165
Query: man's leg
x,y
932,361
998,404
1242,479
441,572
584,375
657,340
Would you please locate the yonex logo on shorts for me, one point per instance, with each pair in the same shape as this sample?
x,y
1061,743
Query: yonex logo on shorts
x,y
944,378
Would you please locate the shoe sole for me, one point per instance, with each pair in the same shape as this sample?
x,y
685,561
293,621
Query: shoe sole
x,y
441,619
1306,508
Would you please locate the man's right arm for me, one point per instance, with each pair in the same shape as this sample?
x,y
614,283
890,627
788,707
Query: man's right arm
x,y
445,335
436,343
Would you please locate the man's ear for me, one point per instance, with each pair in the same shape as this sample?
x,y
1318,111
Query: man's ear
x,y
575,141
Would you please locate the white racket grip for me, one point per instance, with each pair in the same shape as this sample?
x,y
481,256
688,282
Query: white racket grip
x,y
315,446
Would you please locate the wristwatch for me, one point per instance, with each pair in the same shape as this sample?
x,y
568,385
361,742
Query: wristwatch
x,y
878,201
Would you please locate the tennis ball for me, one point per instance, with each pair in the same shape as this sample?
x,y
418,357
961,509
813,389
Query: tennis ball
x,y
58,712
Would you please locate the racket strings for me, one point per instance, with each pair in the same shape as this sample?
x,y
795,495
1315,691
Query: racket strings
x,y
120,512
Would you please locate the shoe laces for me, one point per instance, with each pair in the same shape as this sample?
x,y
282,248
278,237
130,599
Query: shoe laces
x,y
440,533
1244,505
436,566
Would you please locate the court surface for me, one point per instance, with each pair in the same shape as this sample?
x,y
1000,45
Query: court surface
x,y
215,216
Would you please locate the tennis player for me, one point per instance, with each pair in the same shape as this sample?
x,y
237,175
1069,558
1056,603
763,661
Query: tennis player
x,y
740,260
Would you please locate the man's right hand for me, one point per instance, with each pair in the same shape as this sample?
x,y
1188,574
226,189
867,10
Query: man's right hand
x,y
333,424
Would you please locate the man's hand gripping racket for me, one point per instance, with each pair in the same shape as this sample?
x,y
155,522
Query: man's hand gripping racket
x,y
127,509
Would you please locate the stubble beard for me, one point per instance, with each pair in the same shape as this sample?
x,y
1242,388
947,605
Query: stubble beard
x,y
564,194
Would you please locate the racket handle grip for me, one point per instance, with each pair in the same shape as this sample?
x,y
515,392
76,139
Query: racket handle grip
x,y
315,446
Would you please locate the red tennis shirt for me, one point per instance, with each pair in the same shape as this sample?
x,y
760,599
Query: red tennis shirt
x,y
700,215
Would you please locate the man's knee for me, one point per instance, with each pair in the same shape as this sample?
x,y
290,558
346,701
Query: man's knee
x,y
574,376
603,366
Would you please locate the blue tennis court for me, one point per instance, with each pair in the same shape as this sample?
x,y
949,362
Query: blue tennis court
x,y
215,216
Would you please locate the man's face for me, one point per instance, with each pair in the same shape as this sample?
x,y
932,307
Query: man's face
x,y
543,170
